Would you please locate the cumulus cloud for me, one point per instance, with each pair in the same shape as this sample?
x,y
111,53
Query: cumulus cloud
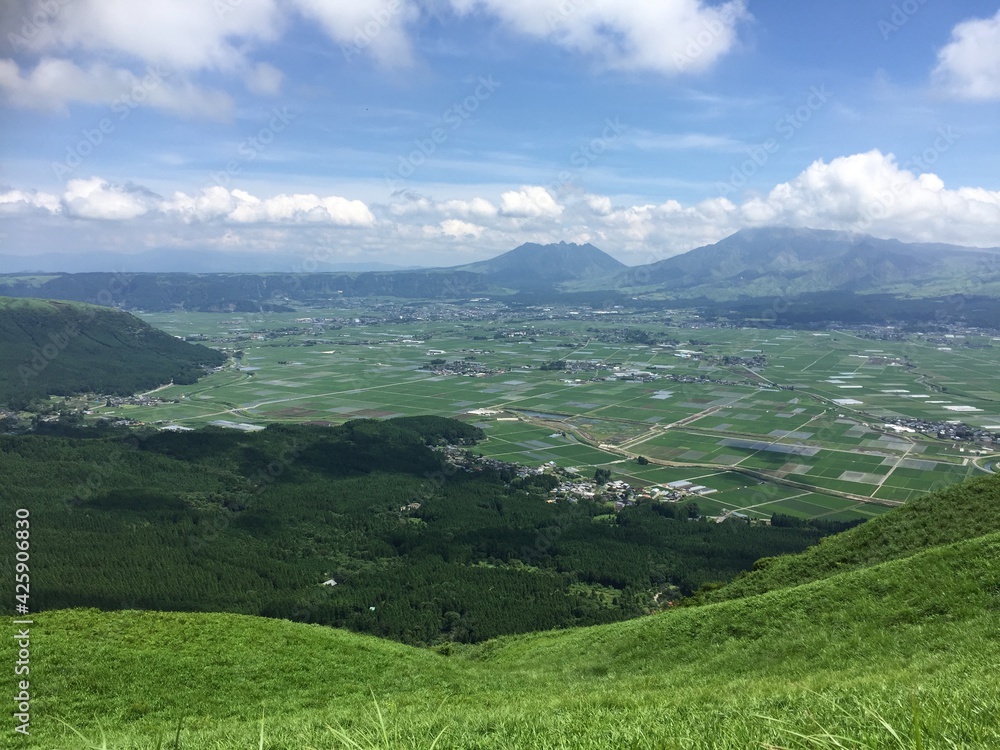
x,y
219,204
873,193
97,199
870,193
461,229
18,201
530,202
664,36
969,65
300,208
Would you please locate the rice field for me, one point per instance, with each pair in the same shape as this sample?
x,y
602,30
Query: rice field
x,y
810,419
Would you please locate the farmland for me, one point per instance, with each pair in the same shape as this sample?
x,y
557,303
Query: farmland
x,y
767,420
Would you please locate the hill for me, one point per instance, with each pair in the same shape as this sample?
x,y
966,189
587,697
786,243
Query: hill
x,y
531,267
63,348
779,261
963,511
900,655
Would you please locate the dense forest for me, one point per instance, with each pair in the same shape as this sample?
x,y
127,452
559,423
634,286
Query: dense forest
x,y
60,348
419,550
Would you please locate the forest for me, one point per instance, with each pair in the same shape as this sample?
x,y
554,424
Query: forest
x,y
61,348
363,526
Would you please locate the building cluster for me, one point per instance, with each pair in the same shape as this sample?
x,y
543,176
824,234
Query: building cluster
x,y
946,430
465,459
138,400
466,367
575,489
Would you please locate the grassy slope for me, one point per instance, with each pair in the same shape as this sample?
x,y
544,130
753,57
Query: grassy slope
x,y
837,653
61,348
963,511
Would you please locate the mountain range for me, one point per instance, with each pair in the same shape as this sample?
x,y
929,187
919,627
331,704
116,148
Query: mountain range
x,y
752,263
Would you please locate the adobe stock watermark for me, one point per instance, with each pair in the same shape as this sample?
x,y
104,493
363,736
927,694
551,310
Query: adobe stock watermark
x,y
899,17
921,163
92,138
366,33
253,146
566,8
451,120
786,127
44,13
585,156
699,43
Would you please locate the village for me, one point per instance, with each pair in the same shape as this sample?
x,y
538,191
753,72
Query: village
x,y
569,485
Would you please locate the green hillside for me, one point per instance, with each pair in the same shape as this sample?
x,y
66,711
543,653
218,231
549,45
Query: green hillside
x,y
63,348
949,515
901,655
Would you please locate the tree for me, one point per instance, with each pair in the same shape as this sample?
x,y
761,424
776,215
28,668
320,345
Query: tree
x,y
642,460
693,510
602,476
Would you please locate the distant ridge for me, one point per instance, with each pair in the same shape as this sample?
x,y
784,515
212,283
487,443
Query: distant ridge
x,y
750,264
533,266
768,261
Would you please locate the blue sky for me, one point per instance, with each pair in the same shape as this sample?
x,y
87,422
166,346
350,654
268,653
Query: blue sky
x,y
423,132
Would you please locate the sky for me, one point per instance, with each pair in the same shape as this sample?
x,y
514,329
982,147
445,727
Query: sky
x,y
326,133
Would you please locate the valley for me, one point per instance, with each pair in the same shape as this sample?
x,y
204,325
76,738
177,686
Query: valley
x,y
812,423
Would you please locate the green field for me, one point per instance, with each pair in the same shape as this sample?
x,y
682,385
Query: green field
x,y
810,419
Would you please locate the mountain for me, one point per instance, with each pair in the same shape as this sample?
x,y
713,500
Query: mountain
x,y
532,266
753,264
775,261
886,655
62,348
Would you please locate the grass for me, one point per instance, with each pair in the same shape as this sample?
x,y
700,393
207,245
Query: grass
x,y
900,655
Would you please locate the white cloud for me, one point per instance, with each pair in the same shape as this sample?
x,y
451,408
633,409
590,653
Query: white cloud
x,y
869,193
477,207
376,27
969,65
97,199
460,229
54,83
665,36
301,208
872,193
175,38
217,203
18,200
599,204
530,202
187,35
413,204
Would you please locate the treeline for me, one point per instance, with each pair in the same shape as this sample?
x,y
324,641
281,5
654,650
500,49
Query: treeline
x,y
821,308
359,526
